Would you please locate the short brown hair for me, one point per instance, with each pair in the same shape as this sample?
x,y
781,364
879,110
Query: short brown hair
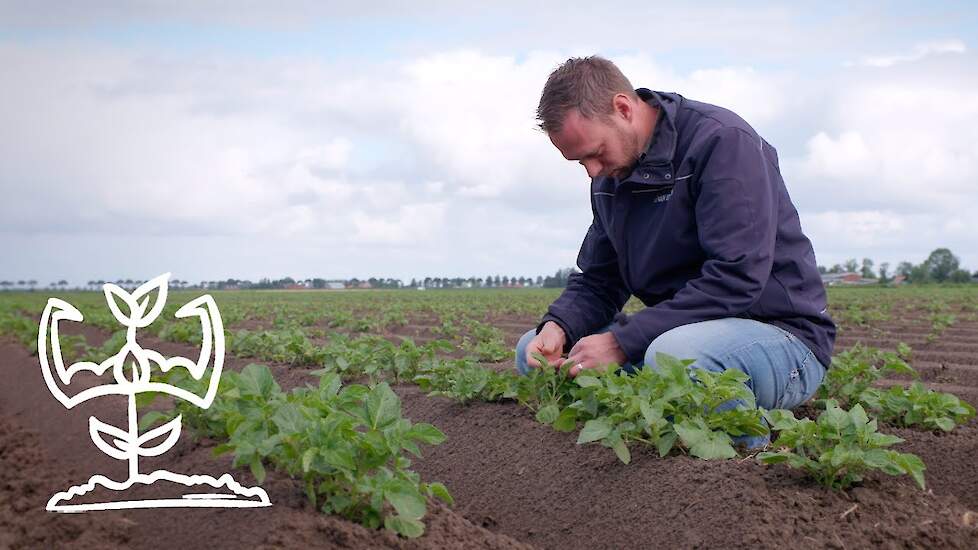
x,y
587,84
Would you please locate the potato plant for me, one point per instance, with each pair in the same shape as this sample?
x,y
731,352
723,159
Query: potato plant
x,y
347,444
669,408
465,381
849,381
838,448
695,410
853,371
917,405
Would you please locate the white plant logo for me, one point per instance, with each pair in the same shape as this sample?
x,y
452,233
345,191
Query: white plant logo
x,y
127,444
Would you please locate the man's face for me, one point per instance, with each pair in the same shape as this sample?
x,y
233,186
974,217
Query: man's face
x,y
604,146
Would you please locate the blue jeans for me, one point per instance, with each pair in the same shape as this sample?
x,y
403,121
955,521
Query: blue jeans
x,y
783,372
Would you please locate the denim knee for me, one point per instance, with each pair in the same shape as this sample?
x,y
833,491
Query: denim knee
x,y
521,366
671,343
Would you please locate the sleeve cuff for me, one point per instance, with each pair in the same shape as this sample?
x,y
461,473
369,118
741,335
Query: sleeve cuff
x,y
631,339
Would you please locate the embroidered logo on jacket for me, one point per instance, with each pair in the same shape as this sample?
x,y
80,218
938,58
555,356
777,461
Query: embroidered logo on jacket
x,y
663,198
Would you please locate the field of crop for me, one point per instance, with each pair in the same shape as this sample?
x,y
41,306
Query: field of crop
x,y
395,419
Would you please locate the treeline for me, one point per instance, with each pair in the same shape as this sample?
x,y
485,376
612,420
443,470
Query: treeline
x,y
558,280
941,266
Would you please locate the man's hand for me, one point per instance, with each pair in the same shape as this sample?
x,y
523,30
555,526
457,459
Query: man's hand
x,y
595,351
549,343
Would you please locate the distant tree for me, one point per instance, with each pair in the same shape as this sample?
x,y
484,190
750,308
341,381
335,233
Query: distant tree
x,y
851,265
497,281
920,274
318,283
414,282
822,269
539,280
867,270
960,276
884,273
905,269
837,268
505,280
941,264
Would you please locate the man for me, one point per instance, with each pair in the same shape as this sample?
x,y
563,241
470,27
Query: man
x,y
692,217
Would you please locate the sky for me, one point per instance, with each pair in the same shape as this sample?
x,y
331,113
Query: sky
x,y
321,139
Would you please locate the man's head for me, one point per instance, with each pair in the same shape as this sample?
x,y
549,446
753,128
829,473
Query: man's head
x,y
593,115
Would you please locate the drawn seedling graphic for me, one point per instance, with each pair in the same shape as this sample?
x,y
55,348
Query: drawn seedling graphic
x,y
134,378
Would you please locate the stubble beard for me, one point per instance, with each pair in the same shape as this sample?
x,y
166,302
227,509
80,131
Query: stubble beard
x,y
633,154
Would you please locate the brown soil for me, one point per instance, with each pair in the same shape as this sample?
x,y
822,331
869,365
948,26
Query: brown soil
x,y
513,478
45,448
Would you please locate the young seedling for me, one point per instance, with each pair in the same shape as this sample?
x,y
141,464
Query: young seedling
x,y
347,444
668,407
838,448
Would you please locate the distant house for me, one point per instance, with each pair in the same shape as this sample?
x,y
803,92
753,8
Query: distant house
x,y
335,285
846,278
898,280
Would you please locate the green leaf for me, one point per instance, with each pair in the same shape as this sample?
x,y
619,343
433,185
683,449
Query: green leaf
x,y
649,413
425,433
329,384
383,406
705,443
258,470
587,381
768,457
146,398
151,418
593,430
665,443
439,490
548,414
339,458
912,465
223,448
566,420
410,528
288,419
257,381
406,499
307,458
944,423
621,450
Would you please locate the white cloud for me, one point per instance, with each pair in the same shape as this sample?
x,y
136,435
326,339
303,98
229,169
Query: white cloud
x,y
918,52
892,171
432,163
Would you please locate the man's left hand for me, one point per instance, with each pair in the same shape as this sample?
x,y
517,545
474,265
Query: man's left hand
x,y
595,351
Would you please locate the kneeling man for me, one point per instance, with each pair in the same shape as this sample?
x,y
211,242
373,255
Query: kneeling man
x,y
692,217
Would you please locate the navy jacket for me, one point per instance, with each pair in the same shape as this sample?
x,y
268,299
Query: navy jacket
x,y
702,229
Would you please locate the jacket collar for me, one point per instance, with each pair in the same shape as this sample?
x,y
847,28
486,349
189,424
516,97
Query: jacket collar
x,y
663,145
661,149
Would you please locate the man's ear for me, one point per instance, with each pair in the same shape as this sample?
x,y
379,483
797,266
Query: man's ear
x,y
623,107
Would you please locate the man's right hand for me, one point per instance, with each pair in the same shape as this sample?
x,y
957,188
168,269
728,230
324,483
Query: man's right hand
x,y
549,343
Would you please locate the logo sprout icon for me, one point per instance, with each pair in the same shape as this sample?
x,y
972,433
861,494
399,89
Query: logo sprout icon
x,y
132,374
